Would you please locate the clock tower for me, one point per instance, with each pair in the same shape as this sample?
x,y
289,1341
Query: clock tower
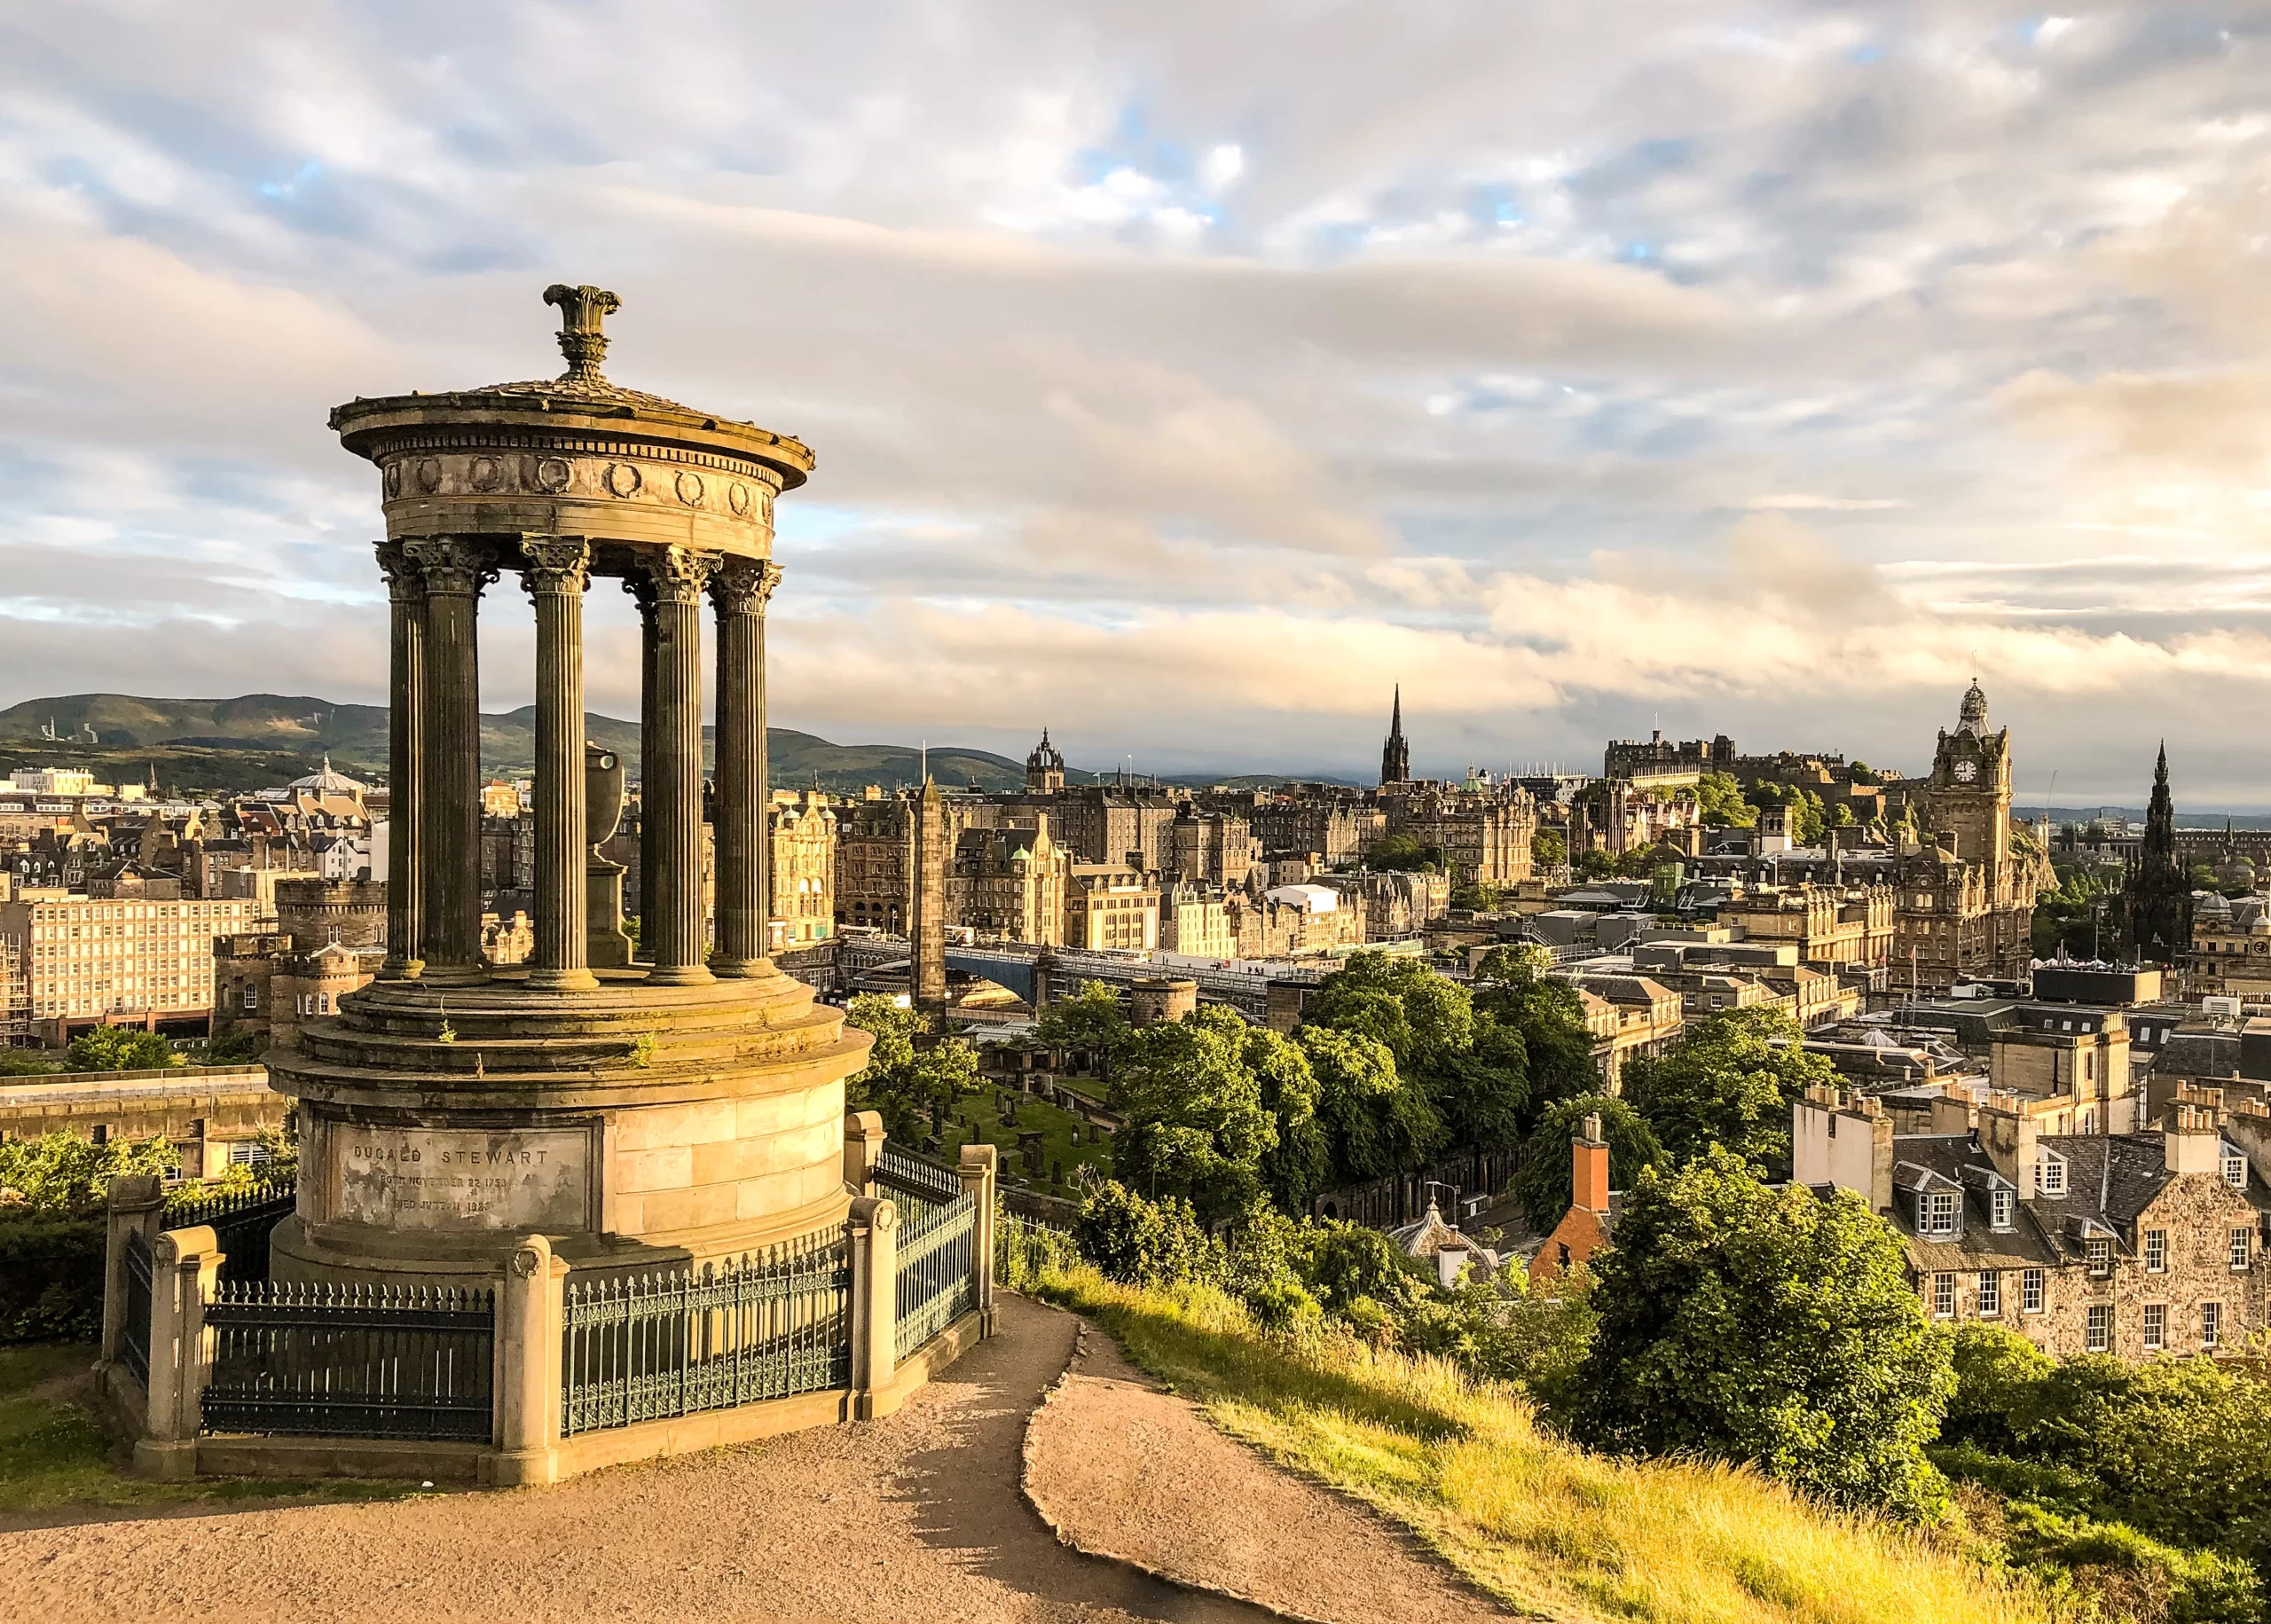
x,y
1970,793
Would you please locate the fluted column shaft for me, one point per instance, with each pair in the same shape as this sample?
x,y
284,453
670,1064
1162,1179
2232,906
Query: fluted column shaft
x,y
740,590
671,890
558,571
405,764
650,735
455,569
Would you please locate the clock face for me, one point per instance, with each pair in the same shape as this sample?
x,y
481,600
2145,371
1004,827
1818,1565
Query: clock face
x,y
1966,771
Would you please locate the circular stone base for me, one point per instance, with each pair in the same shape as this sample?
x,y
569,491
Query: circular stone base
x,y
637,1126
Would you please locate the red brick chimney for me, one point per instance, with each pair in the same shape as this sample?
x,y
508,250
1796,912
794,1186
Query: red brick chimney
x,y
1588,1177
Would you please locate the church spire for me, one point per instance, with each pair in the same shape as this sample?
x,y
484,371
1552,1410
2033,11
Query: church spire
x,y
1396,751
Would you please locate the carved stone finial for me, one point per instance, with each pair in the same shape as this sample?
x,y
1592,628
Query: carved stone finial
x,y
582,309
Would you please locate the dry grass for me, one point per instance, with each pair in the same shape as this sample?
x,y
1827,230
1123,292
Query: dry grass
x,y
1544,1527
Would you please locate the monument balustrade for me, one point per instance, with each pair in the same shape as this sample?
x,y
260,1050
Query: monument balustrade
x,y
545,1371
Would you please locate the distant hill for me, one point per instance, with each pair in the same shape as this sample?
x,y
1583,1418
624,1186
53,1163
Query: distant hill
x,y
261,738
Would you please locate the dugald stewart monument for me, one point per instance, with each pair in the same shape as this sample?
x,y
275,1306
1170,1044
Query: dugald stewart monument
x,y
687,1105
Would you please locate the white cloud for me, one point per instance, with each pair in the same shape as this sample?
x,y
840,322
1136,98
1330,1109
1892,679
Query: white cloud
x,y
1451,366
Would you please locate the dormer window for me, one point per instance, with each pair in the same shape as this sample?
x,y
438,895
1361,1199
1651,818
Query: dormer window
x,y
2098,1250
1999,1202
1936,1212
2050,1173
2235,1168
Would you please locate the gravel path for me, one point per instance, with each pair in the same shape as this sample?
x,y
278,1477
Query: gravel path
x,y
917,1518
1120,1468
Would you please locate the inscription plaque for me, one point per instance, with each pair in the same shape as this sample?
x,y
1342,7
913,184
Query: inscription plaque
x,y
460,1179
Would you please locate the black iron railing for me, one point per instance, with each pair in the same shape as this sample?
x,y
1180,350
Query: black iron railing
x,y
241,1219
936,1285
134,1334
351,1361
908,1174
649,1346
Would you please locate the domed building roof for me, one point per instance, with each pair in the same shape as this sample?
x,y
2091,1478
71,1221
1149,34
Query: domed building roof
x,y
329,782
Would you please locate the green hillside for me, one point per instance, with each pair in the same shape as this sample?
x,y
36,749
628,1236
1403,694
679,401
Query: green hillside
x,y
258,740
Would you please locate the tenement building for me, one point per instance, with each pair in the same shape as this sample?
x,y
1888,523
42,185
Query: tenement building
x,y
89,961
802,829
2136,1244
1484,832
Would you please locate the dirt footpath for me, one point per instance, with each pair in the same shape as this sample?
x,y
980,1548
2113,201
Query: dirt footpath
x,y
1122,1469
918,1518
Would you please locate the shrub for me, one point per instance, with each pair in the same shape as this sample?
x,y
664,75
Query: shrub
x,y
51,1278
1146,1242
59,1173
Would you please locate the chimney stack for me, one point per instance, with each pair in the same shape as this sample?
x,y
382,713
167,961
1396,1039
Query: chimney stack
x,y
1588,1176
2191,1143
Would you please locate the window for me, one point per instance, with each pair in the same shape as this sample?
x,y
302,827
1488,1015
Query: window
x,y
2050,1173
1999,1205
1937,1210
1991,1292
1943,1296
2101,1328
252,998
2030,1291
2243,1246
2235,1168
2155,1326
2212,1324
248,1153
2155,1251
2098,1250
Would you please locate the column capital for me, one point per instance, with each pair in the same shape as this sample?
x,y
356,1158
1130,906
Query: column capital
x,y
454,565
555,564
744,585
670,574
405,578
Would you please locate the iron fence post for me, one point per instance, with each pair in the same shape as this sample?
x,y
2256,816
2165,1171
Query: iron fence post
x,y
873,1232
184,1265
979,1164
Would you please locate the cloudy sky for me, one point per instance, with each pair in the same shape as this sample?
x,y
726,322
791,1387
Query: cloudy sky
x,y
1183,376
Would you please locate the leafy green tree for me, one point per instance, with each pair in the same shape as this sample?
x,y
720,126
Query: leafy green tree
x,y
238,1048
909,1082
1593,864
61,1174
1091,1022
1514,988
119,1049
1542,1186
1721,800
1194,1121
1549,849
1403,853
1774,1327
1730,1082
1376,1122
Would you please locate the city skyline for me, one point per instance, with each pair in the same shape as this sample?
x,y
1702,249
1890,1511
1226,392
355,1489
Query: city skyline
x,y
1765,372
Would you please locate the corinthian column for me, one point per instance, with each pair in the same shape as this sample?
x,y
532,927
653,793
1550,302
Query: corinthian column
x,y
405,764
670,893
740,591
456,568
558,571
